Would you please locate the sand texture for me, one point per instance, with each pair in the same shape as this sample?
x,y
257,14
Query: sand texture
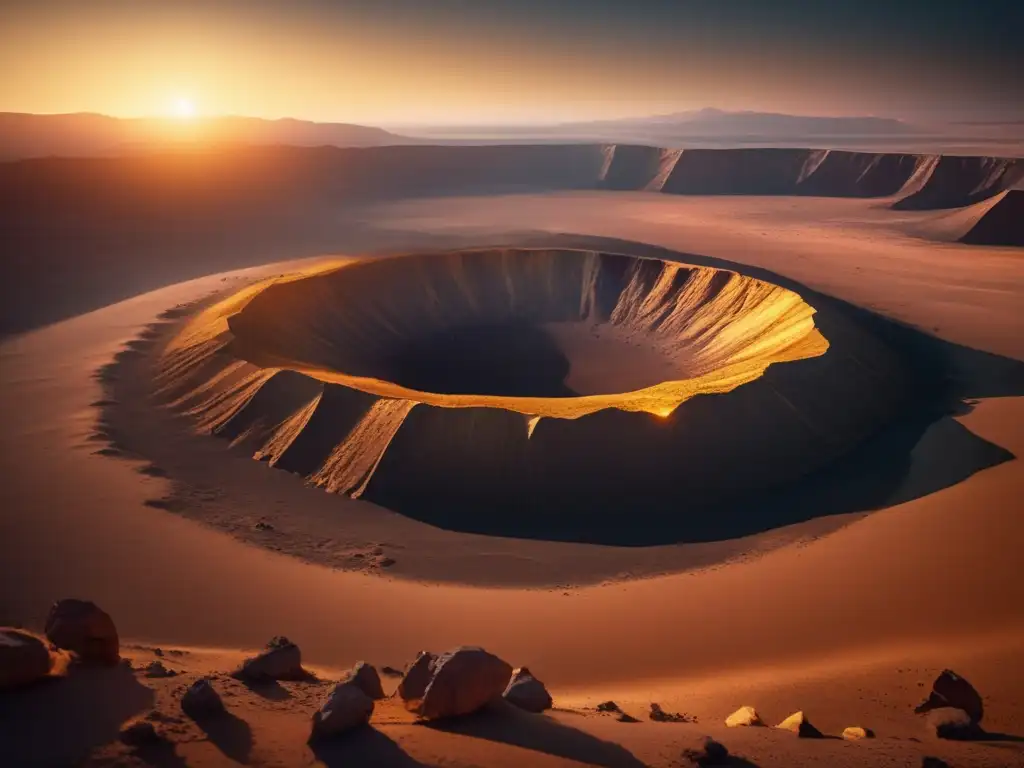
x,y
752,441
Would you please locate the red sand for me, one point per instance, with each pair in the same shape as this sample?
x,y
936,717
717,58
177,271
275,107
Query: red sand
x,y
844,626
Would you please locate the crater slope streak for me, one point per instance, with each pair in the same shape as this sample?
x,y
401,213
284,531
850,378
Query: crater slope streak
x,y
531,383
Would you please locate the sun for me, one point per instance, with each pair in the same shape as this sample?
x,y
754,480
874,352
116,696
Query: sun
x,y
183,109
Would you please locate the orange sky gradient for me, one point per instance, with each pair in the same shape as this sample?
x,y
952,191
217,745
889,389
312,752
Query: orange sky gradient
x,y
326,64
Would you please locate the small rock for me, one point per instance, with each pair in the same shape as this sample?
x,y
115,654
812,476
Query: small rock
x,y
464,681
659,715
345,708
744,716
417,678
933,762
139,734
82,627
856,733
262,526
527,692
386,562
608,706
800,725
158,652
391,672
201,700
24,658
365,677
624,718
282,660
157,669
951,723
711,752
951,690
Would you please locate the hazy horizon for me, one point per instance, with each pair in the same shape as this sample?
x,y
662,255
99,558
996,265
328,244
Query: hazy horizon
x,y
454,62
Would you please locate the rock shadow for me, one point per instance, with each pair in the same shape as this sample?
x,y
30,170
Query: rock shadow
x,y
230,734
504,723
362,746
59,721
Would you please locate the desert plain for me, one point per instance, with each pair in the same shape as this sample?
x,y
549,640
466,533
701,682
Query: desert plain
x,y
821,514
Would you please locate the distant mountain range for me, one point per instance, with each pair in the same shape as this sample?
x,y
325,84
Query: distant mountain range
x,y
699,124
759,123
90,135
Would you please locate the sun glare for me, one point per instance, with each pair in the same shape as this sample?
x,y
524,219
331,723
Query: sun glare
x,y
183,109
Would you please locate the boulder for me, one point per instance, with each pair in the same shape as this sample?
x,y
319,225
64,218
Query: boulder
x,y
856,733
626,718
951,723
417,678
527,692
346,707
24,658
364,676
282,660
464,681
608,706
743,716
710,752
83,628
933,762
799,724
951,690
201,700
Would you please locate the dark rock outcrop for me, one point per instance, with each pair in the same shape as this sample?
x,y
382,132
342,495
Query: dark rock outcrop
x,y
82,627
527,692
951,690
202,701
417,678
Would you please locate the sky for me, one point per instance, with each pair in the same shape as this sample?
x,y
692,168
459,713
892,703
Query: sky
x,y
452,62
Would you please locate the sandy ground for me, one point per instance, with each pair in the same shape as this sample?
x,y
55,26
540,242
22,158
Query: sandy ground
x,y
845,625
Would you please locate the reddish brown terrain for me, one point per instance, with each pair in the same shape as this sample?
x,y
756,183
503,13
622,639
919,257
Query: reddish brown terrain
x,y
774,463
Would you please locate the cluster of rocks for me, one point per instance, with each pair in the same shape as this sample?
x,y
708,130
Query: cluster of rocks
x,y
434,687
453,684
75,629
953,710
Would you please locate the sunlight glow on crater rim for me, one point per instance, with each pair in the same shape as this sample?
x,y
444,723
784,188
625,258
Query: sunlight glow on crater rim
x,y
545,333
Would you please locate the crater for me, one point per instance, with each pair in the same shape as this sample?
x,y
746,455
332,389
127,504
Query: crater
x,y
545,393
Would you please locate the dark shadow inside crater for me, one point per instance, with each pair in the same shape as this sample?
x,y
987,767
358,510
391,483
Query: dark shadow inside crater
x,y
610,492
511,359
